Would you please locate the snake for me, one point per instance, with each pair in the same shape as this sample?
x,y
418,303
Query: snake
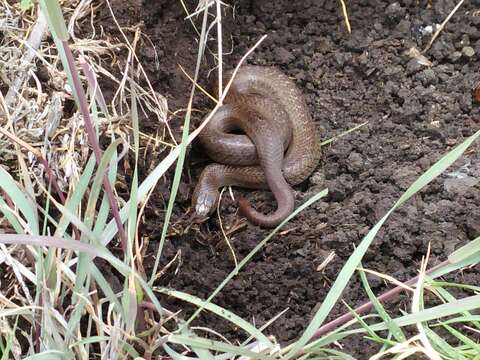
x,y
261,137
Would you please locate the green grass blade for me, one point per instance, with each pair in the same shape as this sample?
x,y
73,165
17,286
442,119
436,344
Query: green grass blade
x,y
9,335
470,260
330,338
392,327
176,356
46,210
336,355
227,315
7,212
91,249
50,355
111,229
372,335
473,247
98,180
26,4
5,349
55,19
436,312
463,319
103,212
442,346
203,354
83,265
132,218
73,218
196,341
173,192
77,195
56,24
448,297
351,264
469,342
104,285
77,313
439,286
131,292
24,310
18,197
91,340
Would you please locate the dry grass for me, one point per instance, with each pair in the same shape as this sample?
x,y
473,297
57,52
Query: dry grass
x,y
38,109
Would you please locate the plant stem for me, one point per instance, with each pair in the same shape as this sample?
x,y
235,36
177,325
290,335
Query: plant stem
x,y
93,140
386,296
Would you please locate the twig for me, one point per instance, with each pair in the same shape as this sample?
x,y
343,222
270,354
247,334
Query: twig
x,y
386,296
345,16
220,48
442,26
225,237
83,104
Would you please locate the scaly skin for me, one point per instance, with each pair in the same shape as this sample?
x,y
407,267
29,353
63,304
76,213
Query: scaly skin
x,y
270,109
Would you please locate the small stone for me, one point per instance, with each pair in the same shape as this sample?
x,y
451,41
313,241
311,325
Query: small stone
x,y
411,109
413,66
394,13
468,51
342,58
473,226
477,46
441,49
427,77
460,185
283,56
465,40
404,27
392,70
465,102
317,178
355,162
391,88
404,93
357,42
455,56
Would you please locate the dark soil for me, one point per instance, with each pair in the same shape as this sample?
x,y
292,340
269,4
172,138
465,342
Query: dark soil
x,y
415,114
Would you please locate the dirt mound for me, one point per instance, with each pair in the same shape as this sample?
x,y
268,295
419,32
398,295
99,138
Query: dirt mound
x,y
414,114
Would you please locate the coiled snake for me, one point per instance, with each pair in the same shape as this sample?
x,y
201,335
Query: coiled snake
x,y
280,146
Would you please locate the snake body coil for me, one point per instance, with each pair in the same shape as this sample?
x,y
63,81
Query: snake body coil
x,y
280,147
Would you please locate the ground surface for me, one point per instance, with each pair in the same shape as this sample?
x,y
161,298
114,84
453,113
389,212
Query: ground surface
x,y
415,114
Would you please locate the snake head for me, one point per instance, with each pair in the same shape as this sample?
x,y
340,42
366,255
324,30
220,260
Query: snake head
x,y
204,204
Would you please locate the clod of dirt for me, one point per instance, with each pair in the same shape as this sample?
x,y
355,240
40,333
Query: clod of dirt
x,y
394,13
283,55
454,57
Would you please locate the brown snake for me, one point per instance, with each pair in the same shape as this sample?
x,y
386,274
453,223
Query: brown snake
x,y
280,147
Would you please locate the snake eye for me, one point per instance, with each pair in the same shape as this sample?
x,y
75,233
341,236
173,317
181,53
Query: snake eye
x,y
204,205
